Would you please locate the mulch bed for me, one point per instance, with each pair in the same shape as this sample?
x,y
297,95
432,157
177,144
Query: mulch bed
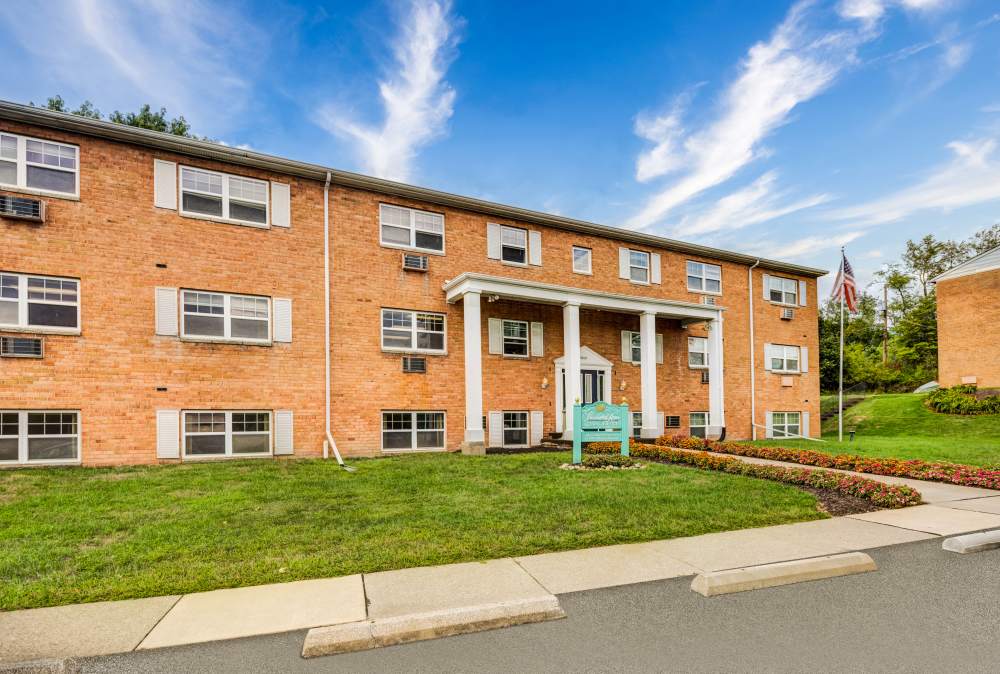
x,y
836,504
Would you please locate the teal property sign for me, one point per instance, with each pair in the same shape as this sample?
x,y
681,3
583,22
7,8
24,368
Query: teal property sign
x,y
600,421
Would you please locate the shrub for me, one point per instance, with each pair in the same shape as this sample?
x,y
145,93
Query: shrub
x,y
962,400
878,493
605,460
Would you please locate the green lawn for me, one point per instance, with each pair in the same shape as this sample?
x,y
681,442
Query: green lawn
x,y
900,426
83,534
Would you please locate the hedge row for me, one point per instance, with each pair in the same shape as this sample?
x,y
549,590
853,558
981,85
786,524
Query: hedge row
x,y
962,400
878,493
951,473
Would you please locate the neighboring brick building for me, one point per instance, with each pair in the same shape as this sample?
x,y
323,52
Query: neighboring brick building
x,y
176,293
968,318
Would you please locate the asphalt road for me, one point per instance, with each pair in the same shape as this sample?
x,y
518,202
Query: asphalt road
x,y
924,610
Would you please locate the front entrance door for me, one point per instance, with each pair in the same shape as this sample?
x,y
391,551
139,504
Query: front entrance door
x,y
595,385
592,386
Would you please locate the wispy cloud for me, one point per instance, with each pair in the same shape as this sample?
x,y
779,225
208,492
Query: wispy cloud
x,y
804,247
759,202
416,98
971,176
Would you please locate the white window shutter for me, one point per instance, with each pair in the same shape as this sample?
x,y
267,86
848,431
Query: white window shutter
x,y
659,348
626,346
623,263
537,346
661,423
284,434
804,431
802,293
493,241
535,248
164,184
537,427
767,357
166,311
654,267
495,429
168,431
768,424
282,320
767,283
496,335
804,359
281,205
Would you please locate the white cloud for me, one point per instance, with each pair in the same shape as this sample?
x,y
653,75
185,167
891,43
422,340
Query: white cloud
x,y
992,107
971,176
804,247
417,100
758,202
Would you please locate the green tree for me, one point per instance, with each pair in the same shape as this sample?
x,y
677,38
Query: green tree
x,y
145,118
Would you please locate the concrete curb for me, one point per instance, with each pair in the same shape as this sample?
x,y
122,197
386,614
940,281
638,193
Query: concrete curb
x,y
984,540
381,632
781,573
49,666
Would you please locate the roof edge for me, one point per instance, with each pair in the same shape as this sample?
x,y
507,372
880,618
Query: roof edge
x,y
958,270
209,150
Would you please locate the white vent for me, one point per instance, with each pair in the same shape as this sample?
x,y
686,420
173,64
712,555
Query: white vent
x,y
21,347
787,314
414,364
22,208
413,262
708,299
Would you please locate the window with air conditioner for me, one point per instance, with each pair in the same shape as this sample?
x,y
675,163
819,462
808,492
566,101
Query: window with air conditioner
x,y
39,302
211,194
21,347
39,165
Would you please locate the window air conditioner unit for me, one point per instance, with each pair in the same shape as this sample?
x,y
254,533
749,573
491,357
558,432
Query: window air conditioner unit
x,y
672,422
787,314
21,347
414,364
22,208
708,299
413,262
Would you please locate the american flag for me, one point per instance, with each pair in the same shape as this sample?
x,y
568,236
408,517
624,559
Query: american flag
x,y
845,284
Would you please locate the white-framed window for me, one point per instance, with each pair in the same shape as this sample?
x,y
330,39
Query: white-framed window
x,y
786,424
404,330
214,316
697,352
36,164
44,302
698,424
784,358
636,424
409,228
220,195
515,429
638,266
635,345
39,436
703,277
783,290
583,260
209,433
406,430
513,244
515,338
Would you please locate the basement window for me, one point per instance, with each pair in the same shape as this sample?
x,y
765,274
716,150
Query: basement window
x,y
403,430
241,433
41,436
698,424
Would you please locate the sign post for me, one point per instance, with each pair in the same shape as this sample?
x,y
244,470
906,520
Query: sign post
x,y
600,421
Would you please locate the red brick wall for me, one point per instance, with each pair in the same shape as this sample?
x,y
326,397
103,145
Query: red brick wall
x,y
968,313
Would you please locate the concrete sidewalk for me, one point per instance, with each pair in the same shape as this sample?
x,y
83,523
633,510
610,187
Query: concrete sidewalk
x,y
114,627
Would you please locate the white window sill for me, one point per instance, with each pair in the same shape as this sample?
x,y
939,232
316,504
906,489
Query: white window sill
x,y
583,273
508,263
515,357
412,249
41,330
786,372
237,342
639,283
419,450
40,193
697,367
224,221
416,352
784,304
199,459
705,292
29,464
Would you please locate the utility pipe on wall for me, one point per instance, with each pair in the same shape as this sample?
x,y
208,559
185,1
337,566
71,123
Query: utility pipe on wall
x,y
329,442
753,351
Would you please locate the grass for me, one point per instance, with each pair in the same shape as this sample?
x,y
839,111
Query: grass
x,y
87,534
900,426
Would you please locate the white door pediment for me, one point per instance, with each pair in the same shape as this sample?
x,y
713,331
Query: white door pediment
x,y
589,360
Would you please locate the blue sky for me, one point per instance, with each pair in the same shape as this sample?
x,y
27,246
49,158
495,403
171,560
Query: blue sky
x,y
782,129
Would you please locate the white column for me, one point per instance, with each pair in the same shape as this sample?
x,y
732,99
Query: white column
x,y
571,354
716,405
473,369
647,375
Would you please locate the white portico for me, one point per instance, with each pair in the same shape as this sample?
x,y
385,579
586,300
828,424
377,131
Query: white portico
x,y
471,288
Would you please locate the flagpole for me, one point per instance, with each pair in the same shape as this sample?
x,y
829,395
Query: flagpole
x,y
840,392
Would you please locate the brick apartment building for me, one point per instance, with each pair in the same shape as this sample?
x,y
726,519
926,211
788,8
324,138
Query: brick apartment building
x,y
166,299
968,319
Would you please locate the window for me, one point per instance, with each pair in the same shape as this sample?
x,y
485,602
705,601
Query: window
x,y
244,433
784,358
582,257
515,429
410,228
412,430
219,195
785,425
704,278
513,245
515,338
783,290
412,331
636,424
698,423
219,316
697,352
39,436
638,262
29,163
635,341
39,302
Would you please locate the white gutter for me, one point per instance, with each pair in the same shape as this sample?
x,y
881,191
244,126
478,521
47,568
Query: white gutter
x,y
753,351
329,442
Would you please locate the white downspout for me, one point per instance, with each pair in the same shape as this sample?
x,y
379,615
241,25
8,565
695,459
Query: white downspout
x,y
753,351
329,442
